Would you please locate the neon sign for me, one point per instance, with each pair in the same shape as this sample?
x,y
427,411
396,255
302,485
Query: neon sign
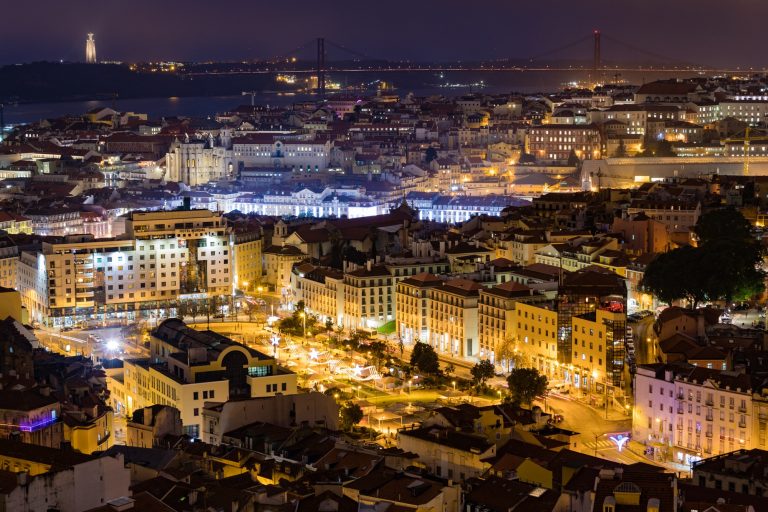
x,y
620,440
32,426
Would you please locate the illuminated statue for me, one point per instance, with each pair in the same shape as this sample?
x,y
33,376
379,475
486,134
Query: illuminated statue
x,y
90,50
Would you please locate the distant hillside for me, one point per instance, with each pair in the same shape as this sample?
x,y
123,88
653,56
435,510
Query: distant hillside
x,y
46,81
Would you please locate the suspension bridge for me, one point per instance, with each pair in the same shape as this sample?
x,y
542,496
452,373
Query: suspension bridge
x,y
587,53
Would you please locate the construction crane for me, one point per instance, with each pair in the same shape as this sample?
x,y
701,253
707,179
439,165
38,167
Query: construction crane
x,y
747,140
252,94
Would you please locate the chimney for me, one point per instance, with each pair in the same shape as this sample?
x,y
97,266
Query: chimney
x,y
369,265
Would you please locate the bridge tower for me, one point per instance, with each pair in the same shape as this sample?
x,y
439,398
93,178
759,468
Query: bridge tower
x,y
321,66
597,64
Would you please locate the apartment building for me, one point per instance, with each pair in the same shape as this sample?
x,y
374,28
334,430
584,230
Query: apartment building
x,y
535,338
555,142
202,235
520,246
188,368
14,224
164,257
452,320
278,262
752,112
321,289
246,253
576,254
30,417
497,317
685,413
9,258
744,471
676,216
582,293
599,350
412,305
368,302
448,452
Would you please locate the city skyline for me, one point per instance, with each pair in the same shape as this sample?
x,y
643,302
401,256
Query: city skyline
x,y
423,32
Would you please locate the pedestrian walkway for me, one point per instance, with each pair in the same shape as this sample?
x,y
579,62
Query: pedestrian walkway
x,y
601,444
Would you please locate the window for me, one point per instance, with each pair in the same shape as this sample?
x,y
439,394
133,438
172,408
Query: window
x,y
196,411
195,395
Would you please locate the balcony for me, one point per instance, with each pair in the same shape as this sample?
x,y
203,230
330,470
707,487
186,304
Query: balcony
x,y
708,434
709,402
742,408
710,417
742,424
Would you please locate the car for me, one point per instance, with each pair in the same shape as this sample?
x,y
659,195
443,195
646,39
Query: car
x,y
218,315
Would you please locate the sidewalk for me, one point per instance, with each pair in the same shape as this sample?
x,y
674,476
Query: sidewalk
x,y
638,449
613,413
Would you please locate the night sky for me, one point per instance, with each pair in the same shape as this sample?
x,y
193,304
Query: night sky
x,y
710,32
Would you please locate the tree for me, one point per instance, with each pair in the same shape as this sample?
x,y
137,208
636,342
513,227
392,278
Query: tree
x,y
425,358
725,223
482,371
378,351
657,148
573,159
430,154
621,149
726,264
350,415
526,384
182,309
329,326
669,276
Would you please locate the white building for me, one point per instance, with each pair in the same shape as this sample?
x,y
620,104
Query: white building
x,y
52,479
329,202
268,150
165,256
686,413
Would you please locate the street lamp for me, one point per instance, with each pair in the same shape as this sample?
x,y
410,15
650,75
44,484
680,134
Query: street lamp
x,y
303,316
358,391
499,392
454,386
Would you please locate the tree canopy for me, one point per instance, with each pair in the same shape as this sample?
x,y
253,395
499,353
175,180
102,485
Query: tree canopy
x,y
350,415
425,358
725,265
482,371
526,384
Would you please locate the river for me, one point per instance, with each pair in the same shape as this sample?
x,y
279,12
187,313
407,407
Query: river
x,y
420,83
